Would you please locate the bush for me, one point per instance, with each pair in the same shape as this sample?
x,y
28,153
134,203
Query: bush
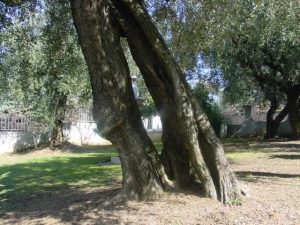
x,y
210,107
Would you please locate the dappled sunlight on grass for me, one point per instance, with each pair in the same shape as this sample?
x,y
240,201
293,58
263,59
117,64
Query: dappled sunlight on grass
x,y
53,173
24,177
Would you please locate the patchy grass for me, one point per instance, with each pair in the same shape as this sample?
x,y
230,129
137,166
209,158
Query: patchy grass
x,y
243,155
245,149
69,187
29,175
159,146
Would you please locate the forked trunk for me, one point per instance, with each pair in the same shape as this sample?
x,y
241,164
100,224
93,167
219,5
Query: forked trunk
x,y
187,133
115,110
181,154
274,123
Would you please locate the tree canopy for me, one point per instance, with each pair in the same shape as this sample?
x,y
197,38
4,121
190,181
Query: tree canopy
x,y
43,69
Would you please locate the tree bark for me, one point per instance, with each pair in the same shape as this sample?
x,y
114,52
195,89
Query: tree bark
x,y
187,133
274,123
294,117
115,110
57,135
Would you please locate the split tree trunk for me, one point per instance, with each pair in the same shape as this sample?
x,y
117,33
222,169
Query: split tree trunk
x,y
187,133
115,110
274,123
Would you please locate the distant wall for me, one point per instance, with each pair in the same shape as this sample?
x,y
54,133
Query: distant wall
x,y
13,141
83,134
75,133
256,128
79,133
87,134
251,126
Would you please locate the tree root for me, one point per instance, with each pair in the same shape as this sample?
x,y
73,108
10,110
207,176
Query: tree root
x,y
125,194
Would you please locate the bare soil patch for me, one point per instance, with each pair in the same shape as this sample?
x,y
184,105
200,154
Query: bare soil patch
x,y
272,174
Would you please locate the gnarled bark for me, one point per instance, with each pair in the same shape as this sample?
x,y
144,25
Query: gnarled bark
x,y
115,110
187,133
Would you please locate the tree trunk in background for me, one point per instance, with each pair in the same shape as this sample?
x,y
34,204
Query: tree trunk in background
x,y
294,117
115,110
187,133
272,124
60,105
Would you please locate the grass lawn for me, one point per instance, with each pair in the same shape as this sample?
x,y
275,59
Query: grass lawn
x,y
28,175
68,186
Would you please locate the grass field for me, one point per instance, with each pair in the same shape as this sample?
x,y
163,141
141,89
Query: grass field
x,y
28,175
66,186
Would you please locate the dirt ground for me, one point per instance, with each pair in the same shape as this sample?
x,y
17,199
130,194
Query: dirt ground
x,y
271,172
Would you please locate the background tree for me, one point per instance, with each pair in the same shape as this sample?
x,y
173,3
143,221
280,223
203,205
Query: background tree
x,y
210,107
43,67
63,68
258,41
239,32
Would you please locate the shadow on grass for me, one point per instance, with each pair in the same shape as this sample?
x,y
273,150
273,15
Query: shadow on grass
x,y
283,156
72,206
259,145
280,146
26,180
253,176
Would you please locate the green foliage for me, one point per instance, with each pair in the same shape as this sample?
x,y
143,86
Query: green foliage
x,y
257,44
210,107
18,62
144,99
262,33
178,23
62,65
41,61
146,103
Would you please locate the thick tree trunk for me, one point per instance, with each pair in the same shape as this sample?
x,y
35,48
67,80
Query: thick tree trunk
x,y
115,110
187,133
294,117
60,105
271,126
274,123
181,148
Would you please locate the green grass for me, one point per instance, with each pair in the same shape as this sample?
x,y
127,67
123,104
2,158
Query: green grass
x,y
242,149
40,174
23,176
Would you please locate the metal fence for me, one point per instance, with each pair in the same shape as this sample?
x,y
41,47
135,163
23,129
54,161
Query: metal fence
x,y
15,122
81,115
